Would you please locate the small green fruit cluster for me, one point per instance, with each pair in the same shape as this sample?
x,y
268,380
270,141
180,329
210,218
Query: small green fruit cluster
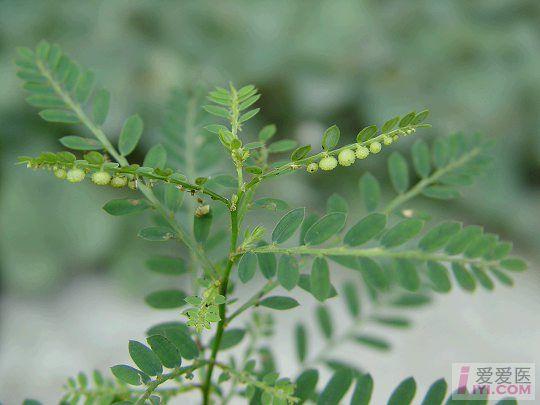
x,y
100,178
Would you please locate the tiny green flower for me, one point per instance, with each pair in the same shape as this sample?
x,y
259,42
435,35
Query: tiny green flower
x,y
362,152
346,157
375,147
328,163
60,173
101,178
75,175
312,167
119,181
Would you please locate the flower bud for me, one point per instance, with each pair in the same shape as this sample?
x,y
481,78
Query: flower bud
x,y
312,167
346,157
75,175
101,178
60,173
328,163
119,181
362,152
375,147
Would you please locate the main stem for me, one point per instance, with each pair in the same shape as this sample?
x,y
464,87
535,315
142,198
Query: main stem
x,y
224,282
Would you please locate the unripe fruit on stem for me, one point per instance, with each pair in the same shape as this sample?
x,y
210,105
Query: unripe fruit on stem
x,y
362,152
387,140
346,157
119,181
101,178
60,173
395,137
375,147
312,167
328,163
132,184
75,175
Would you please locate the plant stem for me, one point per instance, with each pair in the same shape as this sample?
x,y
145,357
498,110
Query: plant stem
x,y
422,184
370,252
254,300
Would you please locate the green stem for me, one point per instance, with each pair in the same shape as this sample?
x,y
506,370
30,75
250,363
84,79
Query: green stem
x,y
254,300
422,184
370,252
152,386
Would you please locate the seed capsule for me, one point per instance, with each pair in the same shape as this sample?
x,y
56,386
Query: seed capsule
x,y
101,178
387,140
312,167
375,147
119,181
132,184
346,157
362,152
60,173
75,175
328,163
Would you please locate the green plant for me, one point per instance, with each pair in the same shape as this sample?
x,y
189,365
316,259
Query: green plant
x,y
397,269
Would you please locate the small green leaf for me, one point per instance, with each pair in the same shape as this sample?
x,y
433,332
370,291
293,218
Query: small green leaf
x,y
101,106
370,191
366,134
482,278
337,203
325,228
514,264
247,267
284,145
156,234
352,299
336,388
279,303
66,117
459,242
390,124
306,383
330,138
463,277
45,101
267,132
272,204
80,143
84,87
407,275
399,172
184,343
441,152
439,236
166,299
502,277
231,338
171,266
301,341
407,119
436,393
392,321
288,273
144,358
267,264
249,115
201,226
217,111
288,225
126,206
372,273
308,222
372,342
156,157
440,192
320,279
402,232
420,117
438,275
130,136
404,393
300,153
165,351
363,390
421,158
365,229
325,321
127,374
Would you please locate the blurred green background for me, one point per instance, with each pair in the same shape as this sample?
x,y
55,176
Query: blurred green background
x,y
475,65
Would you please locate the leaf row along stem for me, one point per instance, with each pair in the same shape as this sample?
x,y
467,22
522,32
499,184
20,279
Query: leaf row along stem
x,y
122,161
370,252
289,167
428,181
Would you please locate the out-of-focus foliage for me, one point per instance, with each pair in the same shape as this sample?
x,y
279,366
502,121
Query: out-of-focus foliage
x,y
475,64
